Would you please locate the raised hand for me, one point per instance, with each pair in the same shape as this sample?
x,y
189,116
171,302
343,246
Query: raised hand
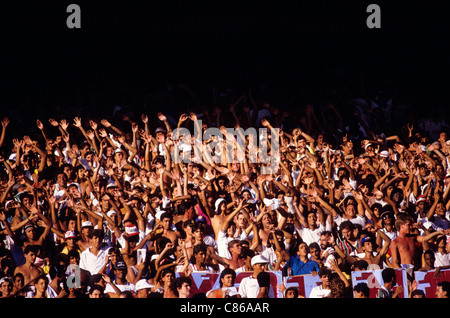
x,y
5,121
53,122
105,123
162,117
39,124
93,124
77,122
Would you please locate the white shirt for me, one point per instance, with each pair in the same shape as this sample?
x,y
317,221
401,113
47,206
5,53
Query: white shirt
x,y
319,292
58,193
309,236
222,244
392,235
249,288
125,287
361,220
441,259
269,253
91,262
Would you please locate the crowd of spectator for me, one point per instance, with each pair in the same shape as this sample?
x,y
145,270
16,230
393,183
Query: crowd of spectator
x,y
98,207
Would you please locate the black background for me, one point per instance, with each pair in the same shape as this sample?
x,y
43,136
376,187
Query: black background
x,y
144,45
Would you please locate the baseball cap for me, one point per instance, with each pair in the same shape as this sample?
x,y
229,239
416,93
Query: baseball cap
x,y
131,230
142,284
111,212
120,265
111,185
5,279
28,226
70,235
421,198
160,129
218,202
87,224
259,259
384,153
189,222
201,219
366,239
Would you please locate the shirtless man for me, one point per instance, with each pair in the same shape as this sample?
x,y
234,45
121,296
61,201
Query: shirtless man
x,y
404,248
29,270
237,261
167,221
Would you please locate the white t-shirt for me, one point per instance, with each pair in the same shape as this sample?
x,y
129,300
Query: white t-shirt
x,y
58,193
441,259
309,236
361,220
222,244
125,287
319,292
91,262
269,253
249,288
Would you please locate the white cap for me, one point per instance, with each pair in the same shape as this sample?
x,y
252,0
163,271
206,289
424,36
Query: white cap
x,y
87,224
111,212
142,284
218,202
384,153
69,235
259,259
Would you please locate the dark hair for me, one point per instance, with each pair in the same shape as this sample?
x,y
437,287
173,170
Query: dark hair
x,y
95,287
178,282
97,233
378,206
361,264
324,271
417,292
314,245
197,226
441,238
337,287
362,288
31,248
183,206
115,250
74,253
165,271
294,289
445,286
166,215
127,293
226,271
161,243
197,249
346,225
388,274
430,252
